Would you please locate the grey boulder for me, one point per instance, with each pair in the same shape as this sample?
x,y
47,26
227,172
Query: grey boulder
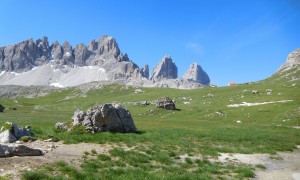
x,y
7,137
7,150
12,133
166,103
107,117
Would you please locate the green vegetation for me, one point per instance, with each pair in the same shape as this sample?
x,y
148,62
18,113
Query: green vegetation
x,y
203,127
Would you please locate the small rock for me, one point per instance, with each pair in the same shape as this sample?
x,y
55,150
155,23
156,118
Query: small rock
x,y
238,121
1,108
210,95
48,140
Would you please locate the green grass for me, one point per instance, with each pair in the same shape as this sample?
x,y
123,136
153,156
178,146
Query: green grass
x,y
205,127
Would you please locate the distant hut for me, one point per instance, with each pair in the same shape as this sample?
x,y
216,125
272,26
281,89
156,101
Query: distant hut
x,y
1,108
231,83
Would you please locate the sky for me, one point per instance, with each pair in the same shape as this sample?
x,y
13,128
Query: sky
x,y
232,40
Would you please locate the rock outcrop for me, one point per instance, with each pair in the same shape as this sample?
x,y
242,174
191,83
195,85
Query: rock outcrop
x,y
107,117
166,69
11,132
196,73
166,103
8,150
293,59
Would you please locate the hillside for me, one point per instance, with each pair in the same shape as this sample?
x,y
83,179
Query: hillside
x,y
172,143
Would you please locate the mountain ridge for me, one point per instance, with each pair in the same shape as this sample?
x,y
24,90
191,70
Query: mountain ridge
x,y
39,63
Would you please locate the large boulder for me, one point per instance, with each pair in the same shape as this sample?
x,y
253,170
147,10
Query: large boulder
x,y
11,132
7,150
7,137
166,103
107,117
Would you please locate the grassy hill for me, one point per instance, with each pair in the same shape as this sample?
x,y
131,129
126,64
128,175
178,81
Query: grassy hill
x,y
203,127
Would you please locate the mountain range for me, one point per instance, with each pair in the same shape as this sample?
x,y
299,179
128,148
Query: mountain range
x,y
40,64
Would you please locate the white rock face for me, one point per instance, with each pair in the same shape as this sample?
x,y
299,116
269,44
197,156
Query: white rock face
x,y
196,73
293,59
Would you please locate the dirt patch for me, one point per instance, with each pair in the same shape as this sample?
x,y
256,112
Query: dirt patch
x,y
54,151
283,165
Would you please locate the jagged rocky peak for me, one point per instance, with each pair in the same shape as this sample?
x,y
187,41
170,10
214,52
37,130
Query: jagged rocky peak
x,y
293,59
81,54
106,46
145,71
166,69
197,74
56,50
24,55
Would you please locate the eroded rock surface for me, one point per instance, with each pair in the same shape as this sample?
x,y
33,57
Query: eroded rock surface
x,y
107,117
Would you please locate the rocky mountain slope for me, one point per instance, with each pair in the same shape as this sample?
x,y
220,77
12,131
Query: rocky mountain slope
x,y
40,64
292,60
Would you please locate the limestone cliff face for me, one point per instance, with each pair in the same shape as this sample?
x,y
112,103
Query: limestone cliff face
x,y
293,59
24,55
103,52
166,69
196,73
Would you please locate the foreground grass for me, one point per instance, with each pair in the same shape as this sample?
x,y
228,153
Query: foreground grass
x,y
203,127
140,163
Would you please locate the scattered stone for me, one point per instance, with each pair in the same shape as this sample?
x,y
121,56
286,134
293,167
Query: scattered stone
x,y
186,102
166,103
255,91
210,95
11,132
1,108
238,121
62,126
138,91
269,91
48,140
7,137
107,117
8,150
142,103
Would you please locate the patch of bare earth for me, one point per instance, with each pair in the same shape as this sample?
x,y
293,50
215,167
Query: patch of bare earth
x,y
54,151
282,166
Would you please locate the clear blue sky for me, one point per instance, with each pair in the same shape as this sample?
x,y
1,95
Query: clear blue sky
x,y
233,40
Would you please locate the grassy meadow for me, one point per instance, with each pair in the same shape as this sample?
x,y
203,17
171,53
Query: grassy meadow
x,y
202,127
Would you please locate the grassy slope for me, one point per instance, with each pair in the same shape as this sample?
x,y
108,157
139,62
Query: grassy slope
x,y
204,127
